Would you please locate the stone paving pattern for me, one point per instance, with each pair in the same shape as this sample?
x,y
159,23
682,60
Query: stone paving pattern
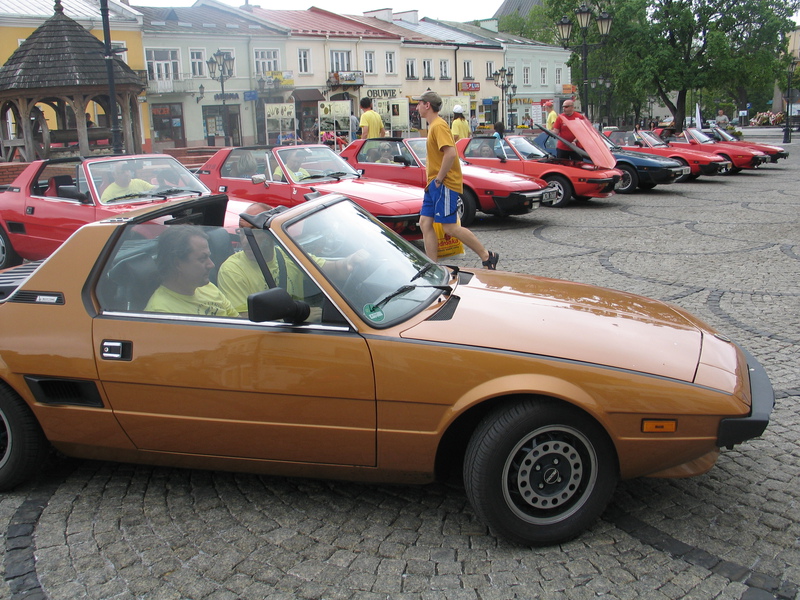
x,y
727,249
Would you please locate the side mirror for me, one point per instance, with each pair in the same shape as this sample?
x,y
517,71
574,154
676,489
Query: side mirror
x,y
259,178
276,304
401,160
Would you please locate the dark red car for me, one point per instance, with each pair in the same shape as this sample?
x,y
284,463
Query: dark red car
x,y
518,154
740,156
774,152
50,199
700,162
288,175
491,191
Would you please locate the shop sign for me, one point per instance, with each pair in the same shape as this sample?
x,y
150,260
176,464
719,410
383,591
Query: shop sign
x,y
469,86
382,93
227,96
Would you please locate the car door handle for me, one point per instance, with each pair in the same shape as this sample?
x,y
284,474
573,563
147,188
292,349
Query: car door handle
x,y
116,350
29,210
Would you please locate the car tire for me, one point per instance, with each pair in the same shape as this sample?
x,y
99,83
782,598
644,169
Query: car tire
x,y
539,471
629,181
8,256
23,446
732,170
564,187
686,177
468,208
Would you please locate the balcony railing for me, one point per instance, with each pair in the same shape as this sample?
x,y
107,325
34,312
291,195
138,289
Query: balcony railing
x,y
182,85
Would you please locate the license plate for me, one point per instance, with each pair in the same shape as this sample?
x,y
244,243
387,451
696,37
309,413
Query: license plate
x,y
550,195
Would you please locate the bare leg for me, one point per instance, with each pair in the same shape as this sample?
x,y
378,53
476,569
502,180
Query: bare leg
x,y
467,237
429,238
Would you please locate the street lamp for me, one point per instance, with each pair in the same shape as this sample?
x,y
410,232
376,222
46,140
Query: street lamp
x,y
602,94
223,61
504,79
787,132
584,15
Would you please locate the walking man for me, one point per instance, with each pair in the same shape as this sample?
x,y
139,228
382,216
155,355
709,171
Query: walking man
x,y
371,122
445,183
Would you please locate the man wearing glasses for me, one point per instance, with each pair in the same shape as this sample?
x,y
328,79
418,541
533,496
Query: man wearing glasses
x,y
561,128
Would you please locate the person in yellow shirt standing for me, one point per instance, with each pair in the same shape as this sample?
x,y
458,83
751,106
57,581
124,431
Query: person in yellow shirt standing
x,y
371,122
552,115
460,126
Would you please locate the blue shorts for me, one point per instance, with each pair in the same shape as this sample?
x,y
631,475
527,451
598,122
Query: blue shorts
x,y
441,203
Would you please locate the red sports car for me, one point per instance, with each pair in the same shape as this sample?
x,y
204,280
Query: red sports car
x,y
721,135
50,199
700,162
287,175
740,156
491,191
517,153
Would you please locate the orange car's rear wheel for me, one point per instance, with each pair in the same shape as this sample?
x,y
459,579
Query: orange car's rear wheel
x,y
539,472
23,446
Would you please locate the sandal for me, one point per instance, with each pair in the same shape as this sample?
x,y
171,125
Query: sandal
x,y
491,262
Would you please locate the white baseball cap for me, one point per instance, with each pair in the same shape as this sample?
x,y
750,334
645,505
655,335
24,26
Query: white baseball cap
x,y
458,109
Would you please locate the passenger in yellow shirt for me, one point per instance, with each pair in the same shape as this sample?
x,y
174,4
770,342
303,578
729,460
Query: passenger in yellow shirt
x,y
184,262
124,184
293,161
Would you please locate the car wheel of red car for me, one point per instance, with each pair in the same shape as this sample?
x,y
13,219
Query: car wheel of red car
x,y
629,181
688,175
730,170
8,256
469,205
563,188
23,446
539,472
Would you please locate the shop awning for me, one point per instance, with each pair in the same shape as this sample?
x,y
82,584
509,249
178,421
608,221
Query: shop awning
x,y
308,95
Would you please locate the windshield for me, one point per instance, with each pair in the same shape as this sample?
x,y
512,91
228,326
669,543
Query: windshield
x,y
420,148
526,148
700,136
311,163
133,179
652,139
391,281
725,135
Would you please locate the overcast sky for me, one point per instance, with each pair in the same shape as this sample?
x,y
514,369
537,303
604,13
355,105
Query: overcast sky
x,y
467,10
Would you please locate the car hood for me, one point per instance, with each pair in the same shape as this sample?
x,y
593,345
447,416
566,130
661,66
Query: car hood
x,y
645,159
498,177
392,198
570,321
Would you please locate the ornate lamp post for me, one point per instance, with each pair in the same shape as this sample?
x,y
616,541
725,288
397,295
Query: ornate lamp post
x,y
787,132
512,113
223,61
504,79
602,94
584,15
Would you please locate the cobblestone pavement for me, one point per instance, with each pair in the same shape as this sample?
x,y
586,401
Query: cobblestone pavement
x,y
728,249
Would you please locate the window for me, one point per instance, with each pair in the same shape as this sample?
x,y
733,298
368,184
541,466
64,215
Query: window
x,y
558,76
489,69
544,75
427,68
391,68
304,61
444,68
120,51
369,62
526,75
198,60
340,60
162,65
411,68
468,70
266,61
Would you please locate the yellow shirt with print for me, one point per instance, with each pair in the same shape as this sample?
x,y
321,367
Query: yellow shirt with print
x,y
206,301
239,276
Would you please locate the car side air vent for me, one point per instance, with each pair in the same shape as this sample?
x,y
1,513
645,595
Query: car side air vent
x,y
448,310
465,277
70,392
27,297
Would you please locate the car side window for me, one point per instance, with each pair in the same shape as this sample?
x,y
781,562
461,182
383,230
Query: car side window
x,y
60,180
242,164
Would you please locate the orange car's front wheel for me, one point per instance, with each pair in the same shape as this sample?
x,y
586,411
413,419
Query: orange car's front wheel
x,y
539,472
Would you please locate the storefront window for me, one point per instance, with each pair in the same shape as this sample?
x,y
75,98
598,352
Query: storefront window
x,y
167,122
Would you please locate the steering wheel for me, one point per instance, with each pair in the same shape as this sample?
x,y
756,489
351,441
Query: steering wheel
x,y
352,286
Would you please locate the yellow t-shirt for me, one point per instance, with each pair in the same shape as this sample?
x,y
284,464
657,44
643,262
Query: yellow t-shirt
x,y
551,118
439,136
207,301
239,276
136,186
278,175
460,128
372,120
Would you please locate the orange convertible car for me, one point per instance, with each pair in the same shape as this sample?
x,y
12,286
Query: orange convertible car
x,y
341,351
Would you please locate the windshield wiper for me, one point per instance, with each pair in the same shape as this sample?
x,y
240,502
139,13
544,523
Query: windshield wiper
x,y
427,267
128,196
404,289
165,193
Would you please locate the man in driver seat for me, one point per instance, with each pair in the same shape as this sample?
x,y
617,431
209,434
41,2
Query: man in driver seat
x,y
124,184
294,170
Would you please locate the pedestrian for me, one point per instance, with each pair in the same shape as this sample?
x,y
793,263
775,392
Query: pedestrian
x,y
499,130
722,119
460,127
552,115
371,122
353,126
561,128
445,183
473,123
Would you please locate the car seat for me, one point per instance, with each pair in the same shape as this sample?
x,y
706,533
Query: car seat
x,y
135,278
219,243
55,182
